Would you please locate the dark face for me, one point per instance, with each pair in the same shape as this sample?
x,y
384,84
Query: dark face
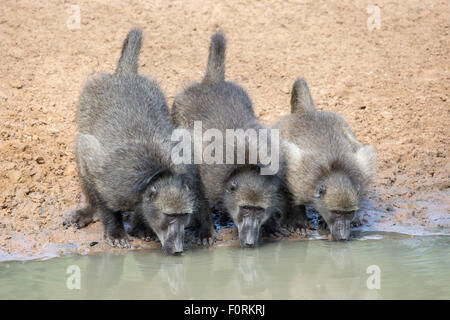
x,y
337,200
251,199
168,205
339,223
249,221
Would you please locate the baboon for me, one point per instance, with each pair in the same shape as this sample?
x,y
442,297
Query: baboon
x,y
326,165
123,153
250,198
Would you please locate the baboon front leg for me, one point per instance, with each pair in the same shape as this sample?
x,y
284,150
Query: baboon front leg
x,y
203,223
296,221
115,234
140,229
272,228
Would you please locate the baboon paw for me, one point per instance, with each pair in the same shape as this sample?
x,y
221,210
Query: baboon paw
x,y
78,219
301,231
277,232
206,237
356,223
207,241
143,235
118,243
297,227
284,232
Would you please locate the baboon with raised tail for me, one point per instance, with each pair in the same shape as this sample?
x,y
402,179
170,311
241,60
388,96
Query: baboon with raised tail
x,y
123,153
251,199
326,166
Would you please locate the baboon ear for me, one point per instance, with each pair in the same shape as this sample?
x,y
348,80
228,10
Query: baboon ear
x,y
233,185
301,100
367,160
293,153
187,181
148,177
320,191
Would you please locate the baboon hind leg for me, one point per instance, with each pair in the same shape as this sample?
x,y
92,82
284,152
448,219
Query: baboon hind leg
x,y
83,217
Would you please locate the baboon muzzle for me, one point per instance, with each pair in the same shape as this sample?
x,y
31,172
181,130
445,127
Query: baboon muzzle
x,y
173,243
340,228
249,231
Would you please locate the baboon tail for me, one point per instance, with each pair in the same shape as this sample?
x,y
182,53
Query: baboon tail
x,y
128,62
215,71
301,100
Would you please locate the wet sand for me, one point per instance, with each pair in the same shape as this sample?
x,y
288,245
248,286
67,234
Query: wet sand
x,y
391,84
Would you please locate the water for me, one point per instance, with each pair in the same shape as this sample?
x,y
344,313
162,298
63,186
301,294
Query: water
x,y
410,267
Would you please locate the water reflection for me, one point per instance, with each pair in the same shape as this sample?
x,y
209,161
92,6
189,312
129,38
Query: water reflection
x,y
316,269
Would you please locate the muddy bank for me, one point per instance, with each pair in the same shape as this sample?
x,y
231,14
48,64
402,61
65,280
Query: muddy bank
x,y
391,84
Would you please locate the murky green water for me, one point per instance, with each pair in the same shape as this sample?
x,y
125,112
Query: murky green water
x,y
406,267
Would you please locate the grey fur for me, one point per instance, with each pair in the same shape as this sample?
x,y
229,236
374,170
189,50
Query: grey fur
x,y
326,165
123,155
224,105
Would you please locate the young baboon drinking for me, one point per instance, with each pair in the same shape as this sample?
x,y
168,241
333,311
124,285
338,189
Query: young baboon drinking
x,y
326,165
238,189
124,160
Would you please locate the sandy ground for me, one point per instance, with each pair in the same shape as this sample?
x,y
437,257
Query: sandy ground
x,y
392,85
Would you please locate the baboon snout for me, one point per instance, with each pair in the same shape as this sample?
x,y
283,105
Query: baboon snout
x,y
249,230
340,229
173,238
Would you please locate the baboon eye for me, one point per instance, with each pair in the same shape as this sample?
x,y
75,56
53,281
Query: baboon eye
x,y
233,186
173,217
183,214
152,192
344,212
254,209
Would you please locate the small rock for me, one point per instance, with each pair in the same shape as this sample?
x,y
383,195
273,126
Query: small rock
x,y
349,84
40,160
14,175
16,84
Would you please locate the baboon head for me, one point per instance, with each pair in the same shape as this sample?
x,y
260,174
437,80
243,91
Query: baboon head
x,y
251,199
168,202
337,199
